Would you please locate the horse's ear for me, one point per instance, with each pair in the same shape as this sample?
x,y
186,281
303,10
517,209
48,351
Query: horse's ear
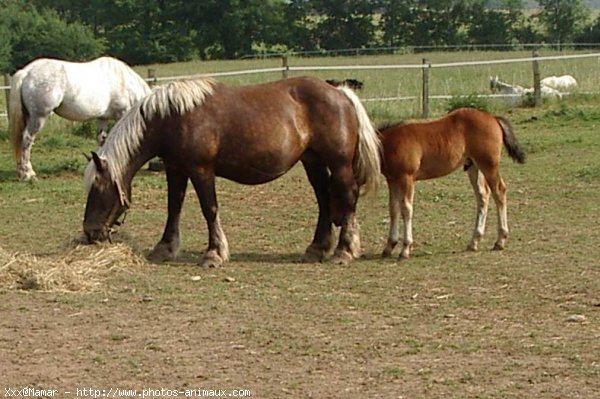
x,y
100,164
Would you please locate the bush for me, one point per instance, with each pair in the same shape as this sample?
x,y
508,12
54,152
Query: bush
x,y
469,101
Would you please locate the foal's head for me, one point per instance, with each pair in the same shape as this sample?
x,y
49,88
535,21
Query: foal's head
x,y
105,203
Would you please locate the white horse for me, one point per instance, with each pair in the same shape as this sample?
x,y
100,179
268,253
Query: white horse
x,y
517,92
102,89
564,83
513,93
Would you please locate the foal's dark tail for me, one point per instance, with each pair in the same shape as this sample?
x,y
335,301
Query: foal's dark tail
x,y
510,141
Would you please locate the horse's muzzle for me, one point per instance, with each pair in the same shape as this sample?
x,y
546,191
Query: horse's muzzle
x,y
96,235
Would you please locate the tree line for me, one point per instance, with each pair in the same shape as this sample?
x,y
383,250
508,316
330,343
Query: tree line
x,y
162,31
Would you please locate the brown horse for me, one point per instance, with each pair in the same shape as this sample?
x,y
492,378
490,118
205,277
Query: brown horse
x,y
248,134
426,150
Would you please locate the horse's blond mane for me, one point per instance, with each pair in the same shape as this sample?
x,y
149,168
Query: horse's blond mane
x,y
127,135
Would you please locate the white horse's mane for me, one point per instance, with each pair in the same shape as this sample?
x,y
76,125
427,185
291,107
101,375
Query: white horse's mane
x,y
127,135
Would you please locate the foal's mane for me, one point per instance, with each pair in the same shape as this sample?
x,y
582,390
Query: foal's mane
x,y
387,124
127,135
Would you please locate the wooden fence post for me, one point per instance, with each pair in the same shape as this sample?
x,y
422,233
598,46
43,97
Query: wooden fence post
x,y
7,91
285,66
537,87
152,77
425,94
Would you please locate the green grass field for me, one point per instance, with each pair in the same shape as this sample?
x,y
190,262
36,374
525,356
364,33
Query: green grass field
x,y
445,324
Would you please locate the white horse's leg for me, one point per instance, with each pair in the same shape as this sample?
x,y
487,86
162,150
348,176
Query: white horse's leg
x,y
482,197
101,131
25,170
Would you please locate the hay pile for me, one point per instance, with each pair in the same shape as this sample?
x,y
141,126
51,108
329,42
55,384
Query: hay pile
x,y
82,268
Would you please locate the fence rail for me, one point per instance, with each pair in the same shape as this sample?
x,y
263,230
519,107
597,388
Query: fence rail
x,y
425,66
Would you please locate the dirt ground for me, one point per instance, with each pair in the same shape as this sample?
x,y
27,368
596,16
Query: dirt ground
x,y
521,323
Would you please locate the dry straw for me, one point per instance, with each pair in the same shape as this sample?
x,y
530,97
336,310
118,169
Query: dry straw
x,y
82,268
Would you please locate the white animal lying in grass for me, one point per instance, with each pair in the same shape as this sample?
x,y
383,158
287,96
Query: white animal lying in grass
x,y
564,83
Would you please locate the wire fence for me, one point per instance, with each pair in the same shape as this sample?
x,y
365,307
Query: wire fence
x,y
425,66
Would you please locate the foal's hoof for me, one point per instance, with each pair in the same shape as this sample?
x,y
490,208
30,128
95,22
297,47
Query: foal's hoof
x,y
472,247
28,177
211,259
498,246
341,258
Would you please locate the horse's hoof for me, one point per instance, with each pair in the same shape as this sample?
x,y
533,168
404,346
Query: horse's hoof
x,y
211,260
342,258
386,253
472,247
313,255
162,252
28,177
403,257
498,246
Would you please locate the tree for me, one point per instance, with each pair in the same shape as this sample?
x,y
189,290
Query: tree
x,y
344,23
563,19
493,25
33,34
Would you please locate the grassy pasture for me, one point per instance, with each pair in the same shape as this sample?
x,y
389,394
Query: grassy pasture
x,y
446,324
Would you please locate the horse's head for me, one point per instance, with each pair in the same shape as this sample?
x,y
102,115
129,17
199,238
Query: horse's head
x,y
493,83
106,201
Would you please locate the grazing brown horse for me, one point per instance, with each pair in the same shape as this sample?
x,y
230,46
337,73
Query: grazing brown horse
x,y
248,134
354,84
426,150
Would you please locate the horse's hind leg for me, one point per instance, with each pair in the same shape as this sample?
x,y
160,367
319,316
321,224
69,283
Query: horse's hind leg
x,y
482,196
402,192
218,249
322,243
344,195
394,196
498,189
25,170
167,247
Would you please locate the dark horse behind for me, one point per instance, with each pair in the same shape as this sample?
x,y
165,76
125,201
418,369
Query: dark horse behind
x,y
249,134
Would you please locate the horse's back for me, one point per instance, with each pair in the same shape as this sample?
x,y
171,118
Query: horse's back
x,y
264,129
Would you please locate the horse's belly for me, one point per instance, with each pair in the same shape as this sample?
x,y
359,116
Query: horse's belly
x,y
81,111
252,173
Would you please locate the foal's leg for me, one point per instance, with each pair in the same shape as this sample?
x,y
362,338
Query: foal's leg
x,y
498,189
401,192
167,247
322,242
218,249
344,195
34,124
482,196
395,195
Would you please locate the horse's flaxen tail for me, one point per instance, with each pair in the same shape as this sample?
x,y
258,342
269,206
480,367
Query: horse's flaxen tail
x,y
369,147
16,116
510,141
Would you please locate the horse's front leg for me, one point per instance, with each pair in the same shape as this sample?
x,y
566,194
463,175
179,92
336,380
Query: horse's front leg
x,y
344,195
101,131
218,249
167,247
323,240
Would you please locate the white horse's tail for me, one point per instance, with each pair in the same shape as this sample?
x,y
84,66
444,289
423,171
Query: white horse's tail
x,y
368,161
16,117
